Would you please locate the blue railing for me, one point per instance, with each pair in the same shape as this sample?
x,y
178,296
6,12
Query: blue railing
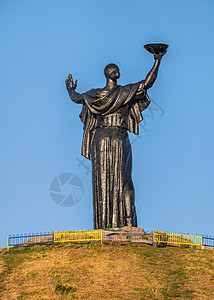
x,y
208,240
29,239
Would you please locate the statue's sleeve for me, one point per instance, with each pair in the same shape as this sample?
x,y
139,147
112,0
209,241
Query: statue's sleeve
x,y
141,89
76,97
139,102
141,96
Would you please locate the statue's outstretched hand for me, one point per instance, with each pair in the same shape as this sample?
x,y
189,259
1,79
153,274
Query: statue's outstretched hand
x,y
69,83
159,55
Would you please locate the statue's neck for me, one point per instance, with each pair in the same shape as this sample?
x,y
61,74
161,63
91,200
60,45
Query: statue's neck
x,y
110,84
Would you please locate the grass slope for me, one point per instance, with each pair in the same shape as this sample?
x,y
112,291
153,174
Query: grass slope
x,y
92,271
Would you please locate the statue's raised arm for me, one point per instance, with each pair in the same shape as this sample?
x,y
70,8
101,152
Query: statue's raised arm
x,y
71,86
152,75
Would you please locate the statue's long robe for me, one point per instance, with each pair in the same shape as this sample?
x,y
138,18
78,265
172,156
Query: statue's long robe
x,y
106,117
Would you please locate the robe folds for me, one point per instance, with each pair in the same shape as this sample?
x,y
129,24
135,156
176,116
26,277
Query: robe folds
x,y
107,116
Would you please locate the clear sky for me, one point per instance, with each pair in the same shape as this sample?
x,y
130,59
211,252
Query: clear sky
x,y
173,162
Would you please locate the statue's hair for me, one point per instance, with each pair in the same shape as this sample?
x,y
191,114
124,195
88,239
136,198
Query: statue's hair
x,y
109,69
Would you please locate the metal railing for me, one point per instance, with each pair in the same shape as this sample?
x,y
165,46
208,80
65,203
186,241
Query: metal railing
x,y
152,238
179,239
29,239
127,236
79,236
208,240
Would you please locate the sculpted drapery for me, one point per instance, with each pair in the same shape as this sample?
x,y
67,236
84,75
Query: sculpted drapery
x,y
107,114
132,96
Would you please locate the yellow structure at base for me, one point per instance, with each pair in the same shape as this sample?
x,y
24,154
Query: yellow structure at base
x,y
174,238
80,236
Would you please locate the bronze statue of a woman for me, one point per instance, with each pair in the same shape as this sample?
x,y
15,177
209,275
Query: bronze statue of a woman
x,y
107,114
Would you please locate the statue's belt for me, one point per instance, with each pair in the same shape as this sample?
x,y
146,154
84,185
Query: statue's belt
x,y
111,121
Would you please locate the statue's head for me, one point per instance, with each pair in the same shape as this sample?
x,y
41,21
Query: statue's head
x,y
112,71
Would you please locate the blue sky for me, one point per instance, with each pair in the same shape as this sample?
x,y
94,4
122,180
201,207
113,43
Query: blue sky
x,y
43,41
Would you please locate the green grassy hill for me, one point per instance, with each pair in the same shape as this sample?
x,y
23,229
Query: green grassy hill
x,y
92,271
